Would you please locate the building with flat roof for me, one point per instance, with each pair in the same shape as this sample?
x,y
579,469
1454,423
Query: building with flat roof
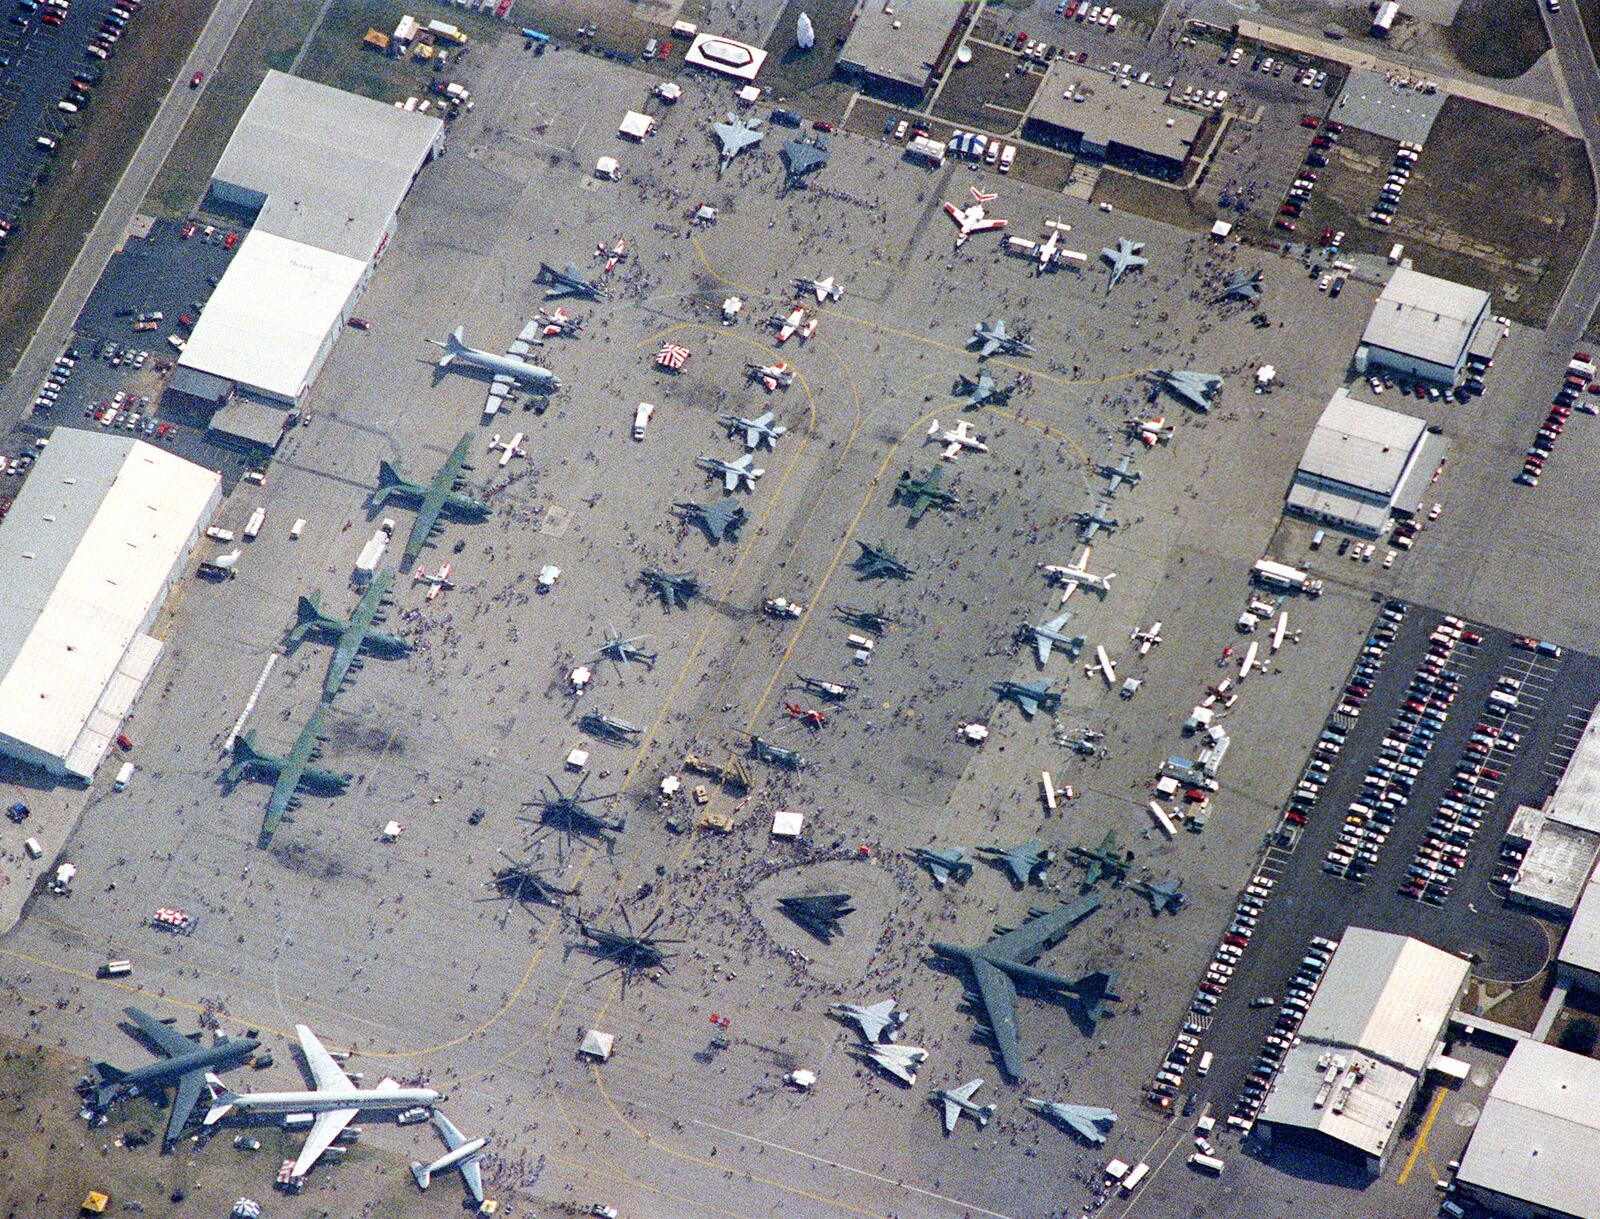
x,y
1422,327
899,45
1123,123
1560,843
1362,465
323,174
97,535
1378,1019
1531,1153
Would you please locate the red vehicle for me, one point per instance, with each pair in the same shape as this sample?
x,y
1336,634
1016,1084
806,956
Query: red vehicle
x,y
1335,128
1322,141
194,81
359,323
187,230
1309,120
1327,235
231,240
822,125
665,49
163,428
50,17
1289,209
1286,225
1295,818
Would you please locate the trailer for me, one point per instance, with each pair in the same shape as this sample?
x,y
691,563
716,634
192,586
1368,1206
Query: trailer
x,y
1269,573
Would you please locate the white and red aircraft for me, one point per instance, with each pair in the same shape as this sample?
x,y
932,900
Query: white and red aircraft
x,y
1150,432
439,581
559,322
617,251
771,376
508,448
957,438
787,326
973,219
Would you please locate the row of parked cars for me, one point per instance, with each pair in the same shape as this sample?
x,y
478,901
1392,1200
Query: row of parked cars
x,y
1405,160
1578,389
55,383
1297,996
1305,181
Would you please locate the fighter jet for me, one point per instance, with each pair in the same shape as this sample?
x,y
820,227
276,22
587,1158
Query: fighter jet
x,y
1092,522
721,520
735,474
956,438
876,562
758,432
456,351
1198,389
623,652
734,136
877,1021
981,391
1126,257
997,966
1090,1123
801,159
1030,696
901,1061
675,590
1103,861
353,634
824,290
1240,286
183,1067
943,863
289,774
1149,432
431,500
1026,862
569,282
1164,895
1116,475
463,1153
990,337
957,1101
1047,634
972,219
771,376
923,493
1074,575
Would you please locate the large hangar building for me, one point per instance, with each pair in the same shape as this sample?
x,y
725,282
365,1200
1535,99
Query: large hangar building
x,y
98,534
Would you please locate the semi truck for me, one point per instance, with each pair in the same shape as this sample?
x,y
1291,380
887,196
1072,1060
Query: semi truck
x,y
1269,573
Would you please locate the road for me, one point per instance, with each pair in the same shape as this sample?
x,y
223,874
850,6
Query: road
x,y
55,330
1575,64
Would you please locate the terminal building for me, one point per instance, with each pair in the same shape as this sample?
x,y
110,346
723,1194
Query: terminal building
x,y
1128,126
1560,841
1375,1026
1362,465
1532,1152
320,175
1422,327
98,534
897,47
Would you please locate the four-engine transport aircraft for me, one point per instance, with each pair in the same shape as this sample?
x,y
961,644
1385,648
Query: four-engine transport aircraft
x,y
184,1069
353,634
1004,961
335,1101
290,774
430,499
456,351
463,1154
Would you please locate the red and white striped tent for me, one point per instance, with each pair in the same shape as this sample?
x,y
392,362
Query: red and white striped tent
x,y
672,357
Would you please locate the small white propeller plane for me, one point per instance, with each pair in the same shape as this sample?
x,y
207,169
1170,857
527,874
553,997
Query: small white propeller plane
x,y
1147,639
438,582
508,448
957,438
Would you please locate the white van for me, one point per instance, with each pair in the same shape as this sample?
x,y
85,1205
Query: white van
x,y
124,776
641,419
1007,156
1206,1163
67,107
1205,1064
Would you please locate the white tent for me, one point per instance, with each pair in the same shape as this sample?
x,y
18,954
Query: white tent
x,y
608,168
597,1045
805,37
636,126
786,824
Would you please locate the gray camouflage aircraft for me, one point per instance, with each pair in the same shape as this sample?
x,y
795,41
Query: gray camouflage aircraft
x,y
992,337
1128,256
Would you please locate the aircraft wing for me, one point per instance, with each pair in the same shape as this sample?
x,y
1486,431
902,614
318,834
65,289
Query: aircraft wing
x,y
184,1099
1027,702
453,1138
1018,863
966,1090
472,1174
952,1114
990,346
1000,1003
451,470
171,1042
1034,936
328,1074
330,1123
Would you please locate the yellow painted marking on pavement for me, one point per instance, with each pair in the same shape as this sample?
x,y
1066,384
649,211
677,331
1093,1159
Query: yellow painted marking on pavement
x,y
1422,1137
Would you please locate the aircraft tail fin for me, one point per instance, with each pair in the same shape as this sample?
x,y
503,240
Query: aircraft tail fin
x,y
221,1106
454,345
108,1081
308,612
244,753
389,478
422,1173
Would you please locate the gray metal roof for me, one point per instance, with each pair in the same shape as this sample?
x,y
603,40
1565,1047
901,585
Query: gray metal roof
x,y
333,167
1360,448
1536,1137
1370,102
899,41
1133,115
1426,317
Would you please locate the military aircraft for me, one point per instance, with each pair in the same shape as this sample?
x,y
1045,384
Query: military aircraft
x,y
614,253
522,882
183,1068
1116,475
771,376
997,966
1147,639
875,562
1198,389
1047,634
819,913
431,500
877,1021
1047,250
824,290
1103,665
980,392
541,380
463,1154
1164,895
675,590
335,1101
721,520
735,474
623,652
559,324
569,815
774,755
1149,432
943,863
757,432
1030,696
972,218
1078,574
990,337
597,723
923,493
957,1101
801,159
353,634
956,438
1097,518
1090,1123
1240,286
876,621
630,951
901,1061
834,691
289,774
569,282
734,136
1103,861
1025,862
1126,257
